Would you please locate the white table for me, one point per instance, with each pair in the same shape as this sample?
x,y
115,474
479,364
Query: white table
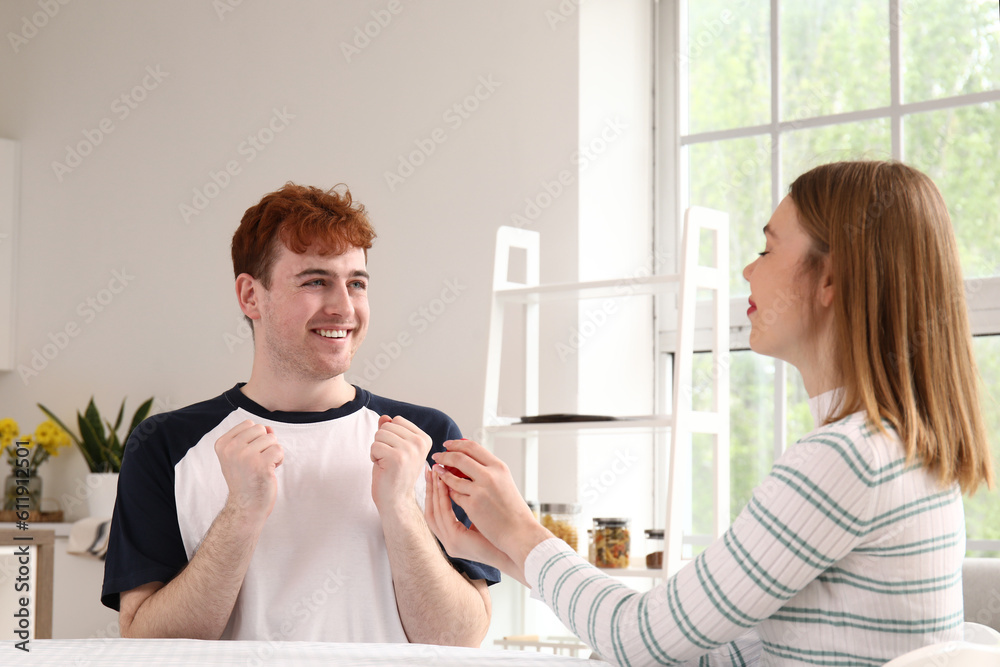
x,y
187,652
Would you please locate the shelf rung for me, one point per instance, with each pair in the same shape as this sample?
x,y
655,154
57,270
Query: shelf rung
x,y
588,290
626,423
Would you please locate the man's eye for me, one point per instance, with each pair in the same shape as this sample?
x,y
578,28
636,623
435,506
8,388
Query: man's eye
x,y
358,284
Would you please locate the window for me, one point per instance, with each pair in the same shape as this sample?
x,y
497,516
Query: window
x,y
768,89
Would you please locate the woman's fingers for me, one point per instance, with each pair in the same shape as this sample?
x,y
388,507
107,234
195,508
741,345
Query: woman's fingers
x,y
473,450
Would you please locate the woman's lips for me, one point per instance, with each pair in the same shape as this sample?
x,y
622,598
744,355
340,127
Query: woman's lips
x,y
752,309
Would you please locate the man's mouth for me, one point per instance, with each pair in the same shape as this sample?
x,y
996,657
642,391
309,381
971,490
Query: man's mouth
x,y
332,333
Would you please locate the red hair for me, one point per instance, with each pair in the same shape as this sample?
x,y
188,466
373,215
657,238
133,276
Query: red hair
x,y
302,218
902,336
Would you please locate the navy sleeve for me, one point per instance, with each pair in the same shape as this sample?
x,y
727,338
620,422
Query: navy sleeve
x,y
441,428
145,543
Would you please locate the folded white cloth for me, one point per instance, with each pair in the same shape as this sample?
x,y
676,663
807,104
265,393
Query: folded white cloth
x,y
89,537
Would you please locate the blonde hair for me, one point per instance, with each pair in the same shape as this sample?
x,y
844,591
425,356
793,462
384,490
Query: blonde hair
x,y
901,326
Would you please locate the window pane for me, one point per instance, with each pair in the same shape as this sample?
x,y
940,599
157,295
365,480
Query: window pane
x,y
799,419
751,434
982,511
804,149
957,148
950,47
735,177
729,65
834,57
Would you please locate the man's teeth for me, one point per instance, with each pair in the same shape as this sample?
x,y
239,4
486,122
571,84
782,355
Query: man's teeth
x,y
332,333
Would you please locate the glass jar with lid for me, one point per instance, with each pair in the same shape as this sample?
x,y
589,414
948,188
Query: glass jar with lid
x,y
562,520
612,542
654,548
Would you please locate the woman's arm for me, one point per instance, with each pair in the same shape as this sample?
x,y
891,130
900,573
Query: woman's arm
x,y
777,545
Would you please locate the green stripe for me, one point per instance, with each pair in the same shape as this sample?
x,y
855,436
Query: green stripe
x,y
718,598
836,572
813,486
918,547
616,634
848,451
913,508
592,615
949,494
883,591
756,573
740,660
829,658
828,507
891,626
561,581
798,546
942,502
543,571
648,635
684,624
577,594
845,447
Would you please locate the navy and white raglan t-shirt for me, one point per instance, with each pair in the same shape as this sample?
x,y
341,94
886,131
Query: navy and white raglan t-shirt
x,y
320,571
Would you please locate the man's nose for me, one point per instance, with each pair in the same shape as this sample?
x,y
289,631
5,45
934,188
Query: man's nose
x,y
338,302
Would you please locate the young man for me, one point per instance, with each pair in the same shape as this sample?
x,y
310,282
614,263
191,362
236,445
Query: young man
x,y
287,508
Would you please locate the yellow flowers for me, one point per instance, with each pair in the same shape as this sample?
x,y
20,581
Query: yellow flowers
x,y
46,441
8,431
49,436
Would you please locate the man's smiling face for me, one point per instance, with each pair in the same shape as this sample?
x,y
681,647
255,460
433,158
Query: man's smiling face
x,y
315,315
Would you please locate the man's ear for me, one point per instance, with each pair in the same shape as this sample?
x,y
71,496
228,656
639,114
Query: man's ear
x,y
247,294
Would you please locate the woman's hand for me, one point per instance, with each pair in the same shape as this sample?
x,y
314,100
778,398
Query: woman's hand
x,y
490,498
457,540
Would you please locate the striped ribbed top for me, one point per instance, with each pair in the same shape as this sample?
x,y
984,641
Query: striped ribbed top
x,y
845,555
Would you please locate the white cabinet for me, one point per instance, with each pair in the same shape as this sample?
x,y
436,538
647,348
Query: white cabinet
x,y
77,612
680,421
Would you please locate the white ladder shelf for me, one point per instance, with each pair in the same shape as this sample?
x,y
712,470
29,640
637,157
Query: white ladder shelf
x,y
682,421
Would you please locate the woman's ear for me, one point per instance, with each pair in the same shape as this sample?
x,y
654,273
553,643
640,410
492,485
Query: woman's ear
x,y
826,286
247,295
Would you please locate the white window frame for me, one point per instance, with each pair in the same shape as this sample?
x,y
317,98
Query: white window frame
x,y
672,184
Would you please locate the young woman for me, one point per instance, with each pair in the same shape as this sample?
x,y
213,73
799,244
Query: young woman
x,y
850,551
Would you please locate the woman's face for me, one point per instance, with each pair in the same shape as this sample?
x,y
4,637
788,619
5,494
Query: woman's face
x,y
781,303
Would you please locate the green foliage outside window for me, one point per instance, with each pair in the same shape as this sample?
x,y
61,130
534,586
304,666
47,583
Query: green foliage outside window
x,y
834,58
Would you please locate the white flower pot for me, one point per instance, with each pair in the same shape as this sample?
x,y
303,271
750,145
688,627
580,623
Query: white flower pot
x,y
102,488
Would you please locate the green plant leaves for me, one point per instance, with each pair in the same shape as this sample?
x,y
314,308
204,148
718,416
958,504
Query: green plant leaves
x,y
99,442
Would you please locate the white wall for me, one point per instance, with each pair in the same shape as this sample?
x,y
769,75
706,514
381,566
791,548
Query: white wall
x,y
169,326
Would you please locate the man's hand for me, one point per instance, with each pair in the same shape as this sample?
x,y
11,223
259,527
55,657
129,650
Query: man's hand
x,y
457,540
249,454
399,456
487,493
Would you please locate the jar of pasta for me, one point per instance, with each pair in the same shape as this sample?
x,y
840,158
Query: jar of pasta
x,y
611,542
561,519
